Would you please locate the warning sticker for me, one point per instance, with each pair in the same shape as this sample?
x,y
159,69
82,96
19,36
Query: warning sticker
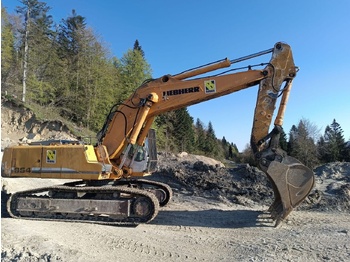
x,y
51,156
210,86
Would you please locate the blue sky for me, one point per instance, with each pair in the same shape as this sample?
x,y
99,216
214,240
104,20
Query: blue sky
x,y
178,35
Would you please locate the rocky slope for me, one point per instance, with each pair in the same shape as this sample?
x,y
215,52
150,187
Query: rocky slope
x,y
20,125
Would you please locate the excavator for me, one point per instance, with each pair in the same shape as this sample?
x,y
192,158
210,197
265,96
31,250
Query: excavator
x,y
108,178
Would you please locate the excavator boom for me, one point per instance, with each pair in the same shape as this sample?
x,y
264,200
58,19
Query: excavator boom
x,y
127,149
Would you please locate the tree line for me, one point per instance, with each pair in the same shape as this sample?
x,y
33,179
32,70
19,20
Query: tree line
x,y
66,67
305,143
177,132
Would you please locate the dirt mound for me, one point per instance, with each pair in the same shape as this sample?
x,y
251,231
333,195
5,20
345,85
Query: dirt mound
x,y
248,186
332,187
241,184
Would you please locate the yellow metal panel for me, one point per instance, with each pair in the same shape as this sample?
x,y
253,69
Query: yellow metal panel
x,y
53,161
90,153
70,161
24,159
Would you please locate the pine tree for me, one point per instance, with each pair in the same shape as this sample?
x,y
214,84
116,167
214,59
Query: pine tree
x,y
230,152
87,74
8,61
164,130
37,28
322,150
73,55
293,134
183,130
233,152
138,48
100,81
302,145
175,131
283,141
332,146
42,60
134,70
211,145
200,136
225,147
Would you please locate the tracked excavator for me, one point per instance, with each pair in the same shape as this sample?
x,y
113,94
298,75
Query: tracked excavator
x,y
109,187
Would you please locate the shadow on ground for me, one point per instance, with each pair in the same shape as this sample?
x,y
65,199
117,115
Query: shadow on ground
x,y
213,218
4,198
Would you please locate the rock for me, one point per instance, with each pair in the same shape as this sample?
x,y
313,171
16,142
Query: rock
x,y
182,154
33,136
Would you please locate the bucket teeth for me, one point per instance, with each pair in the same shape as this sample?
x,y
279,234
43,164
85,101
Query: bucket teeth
x,y
274,215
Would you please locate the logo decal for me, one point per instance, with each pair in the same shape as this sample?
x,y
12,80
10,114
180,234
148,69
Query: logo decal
x,y
176,92
51,156
210,86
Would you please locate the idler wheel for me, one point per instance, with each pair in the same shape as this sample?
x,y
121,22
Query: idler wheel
x,y
143,207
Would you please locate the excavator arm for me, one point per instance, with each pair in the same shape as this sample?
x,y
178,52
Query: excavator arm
x,y
166,94
291,181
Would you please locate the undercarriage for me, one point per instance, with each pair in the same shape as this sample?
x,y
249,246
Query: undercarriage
x,y
126,203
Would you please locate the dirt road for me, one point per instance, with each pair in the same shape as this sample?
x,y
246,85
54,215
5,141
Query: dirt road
x,y
189,229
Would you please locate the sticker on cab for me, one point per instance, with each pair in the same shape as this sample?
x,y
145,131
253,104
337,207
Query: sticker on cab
x,y
210,86
51,156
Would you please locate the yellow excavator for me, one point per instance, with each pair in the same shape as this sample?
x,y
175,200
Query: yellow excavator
x,y
109,188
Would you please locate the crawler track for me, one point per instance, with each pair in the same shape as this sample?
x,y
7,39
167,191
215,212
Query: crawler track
x,y
76,202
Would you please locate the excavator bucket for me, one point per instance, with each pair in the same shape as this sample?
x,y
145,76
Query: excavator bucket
x,y
291,182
